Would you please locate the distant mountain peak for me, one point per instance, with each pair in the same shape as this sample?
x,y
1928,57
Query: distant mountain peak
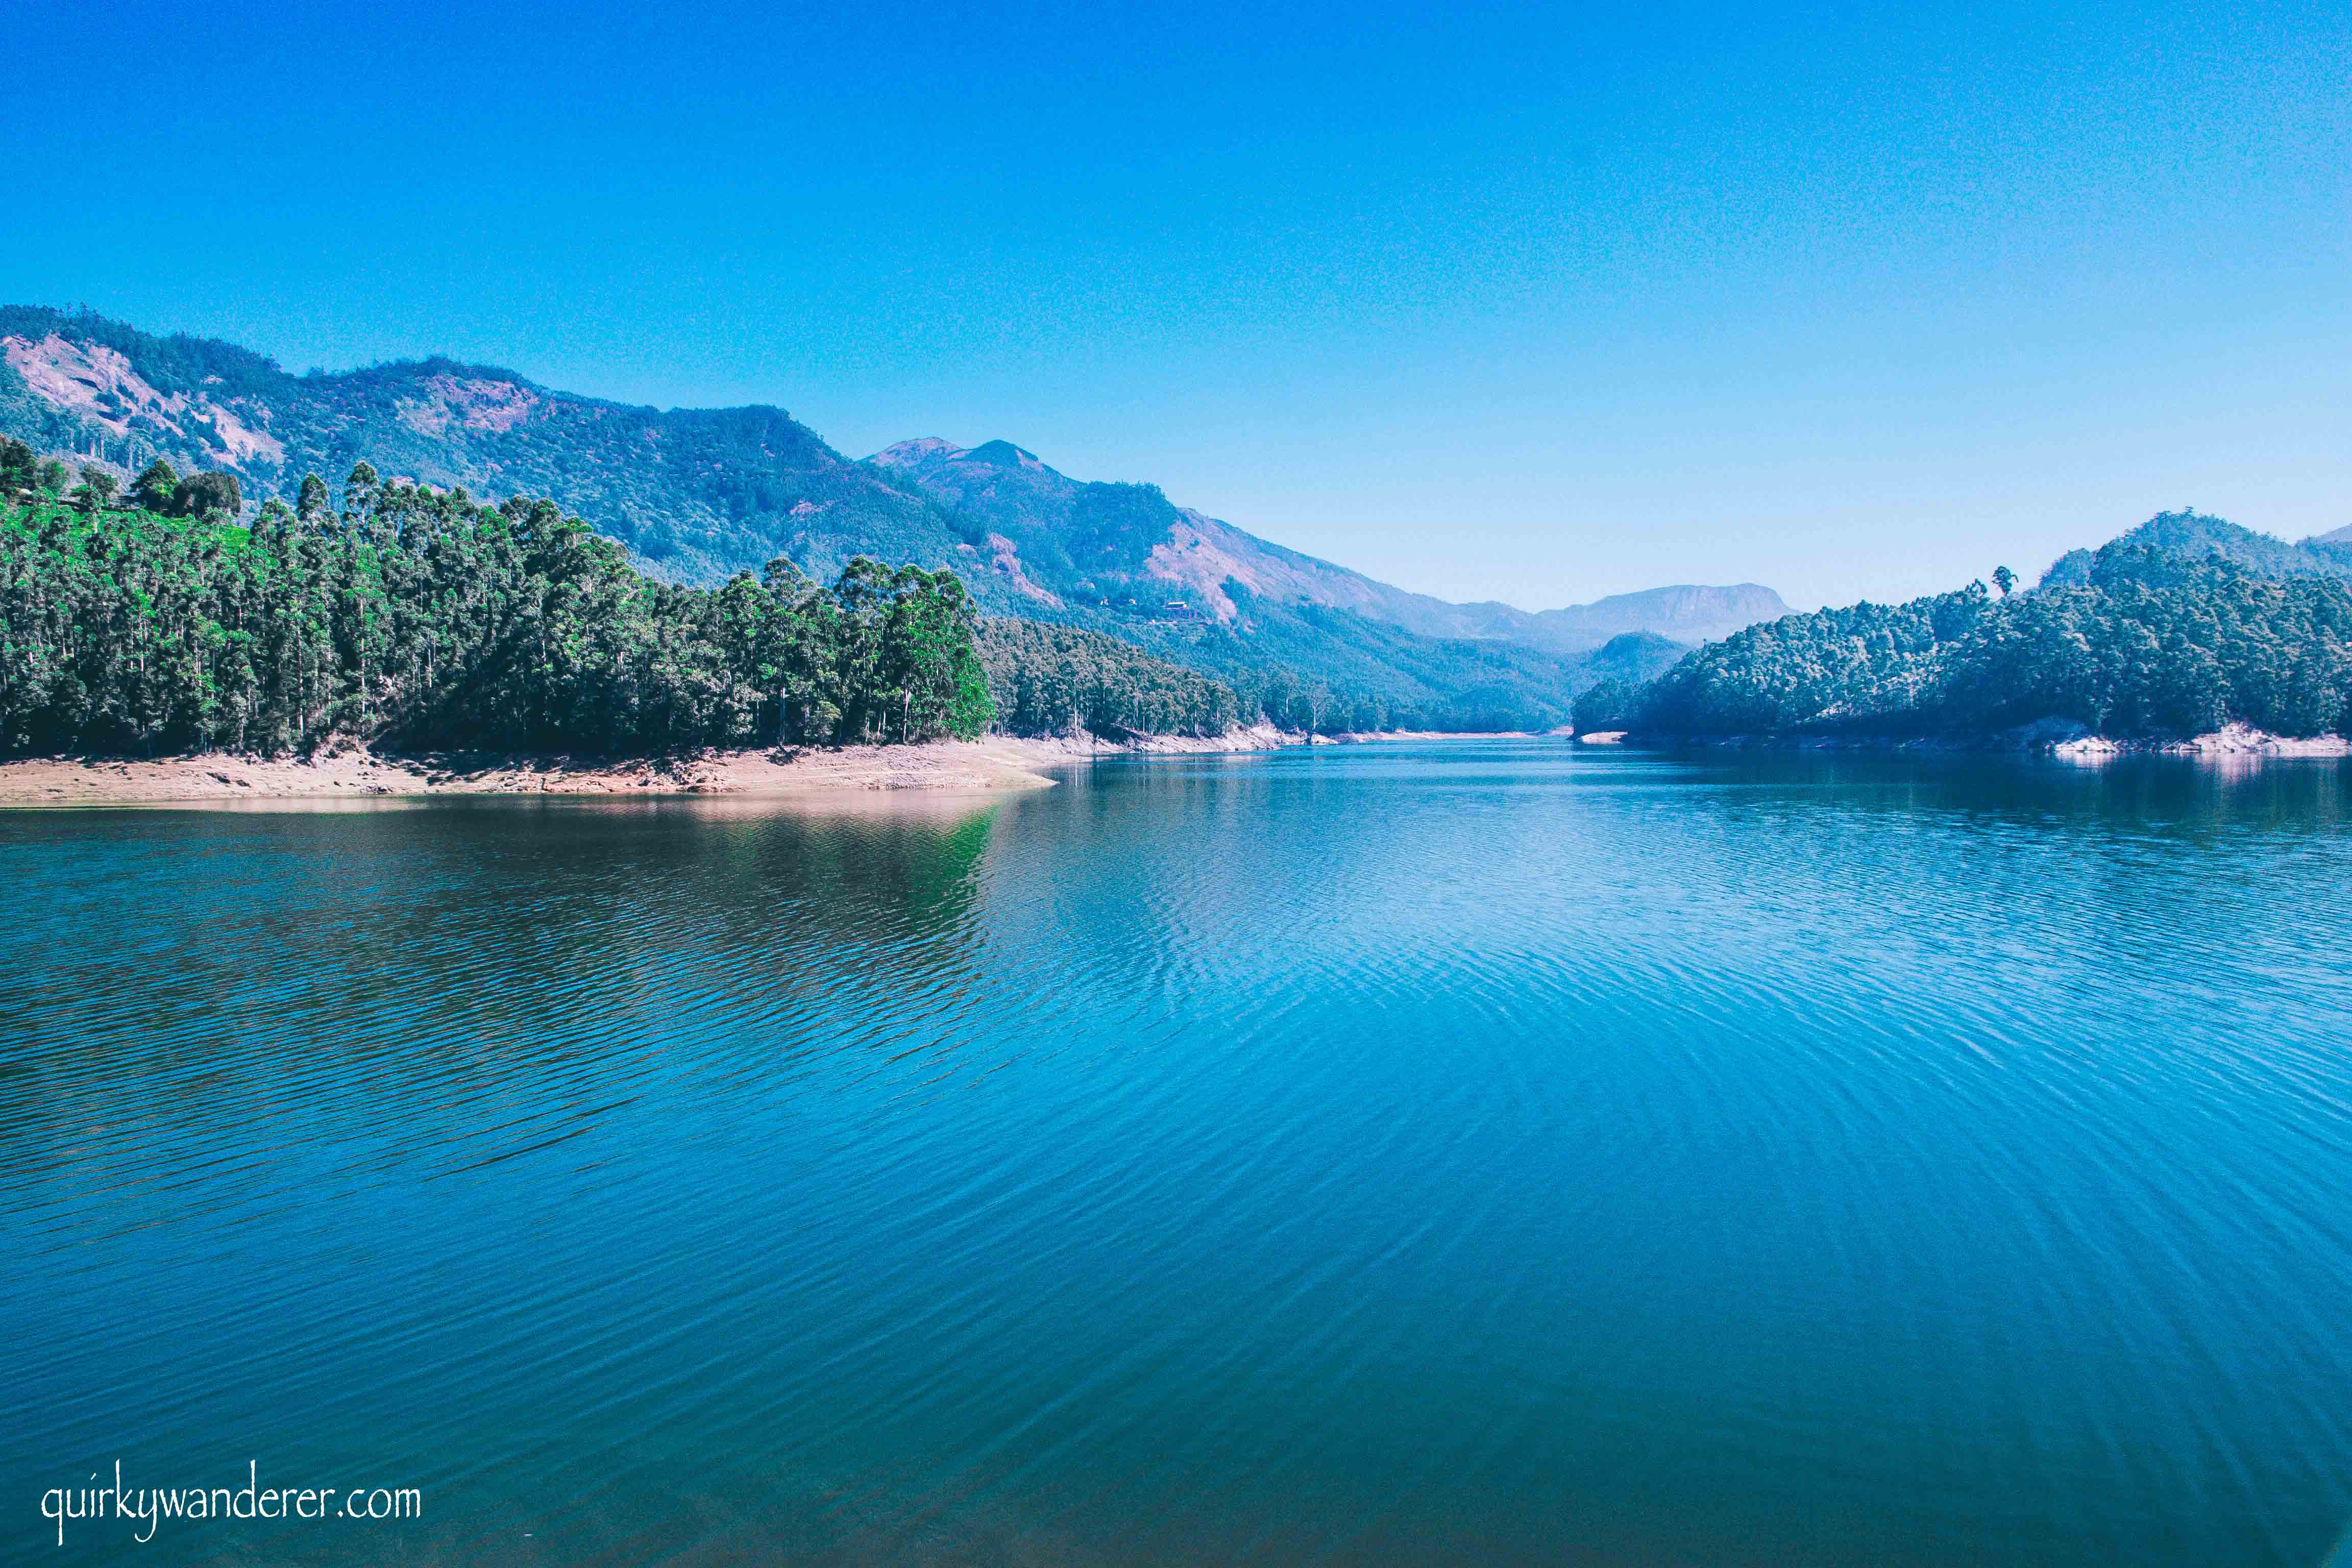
x,y
1689,611
932,452
921,452
1003,455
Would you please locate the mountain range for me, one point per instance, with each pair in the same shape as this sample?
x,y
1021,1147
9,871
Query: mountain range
x,y
696,494
1034,518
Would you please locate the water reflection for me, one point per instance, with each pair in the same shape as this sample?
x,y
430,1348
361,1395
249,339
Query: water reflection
x,y
449,988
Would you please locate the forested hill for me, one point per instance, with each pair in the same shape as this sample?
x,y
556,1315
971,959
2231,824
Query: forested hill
x,y
2148,642
1058,680
693,495
422,621
2197,535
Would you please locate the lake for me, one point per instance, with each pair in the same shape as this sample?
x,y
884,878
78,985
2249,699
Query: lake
x,y
1482,1152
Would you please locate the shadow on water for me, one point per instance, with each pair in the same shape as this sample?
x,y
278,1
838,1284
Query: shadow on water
x,y
2159,792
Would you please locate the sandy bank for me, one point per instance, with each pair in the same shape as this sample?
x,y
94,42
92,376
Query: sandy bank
x,y
945,766
998,765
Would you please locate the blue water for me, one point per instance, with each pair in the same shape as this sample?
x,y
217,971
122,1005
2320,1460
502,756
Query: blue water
x,y
1477,1152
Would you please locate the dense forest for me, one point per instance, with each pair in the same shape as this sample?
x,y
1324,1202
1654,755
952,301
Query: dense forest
x,y
1308,666
1311,667
2198,534
153,621
2141,642
1051,680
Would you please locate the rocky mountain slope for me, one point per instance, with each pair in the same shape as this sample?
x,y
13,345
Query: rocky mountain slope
x,y
1060,542
694,493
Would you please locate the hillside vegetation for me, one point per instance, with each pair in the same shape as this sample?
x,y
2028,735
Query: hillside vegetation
x,y
694,494
1054,680
1310,668
2148,642
2197,535
421,620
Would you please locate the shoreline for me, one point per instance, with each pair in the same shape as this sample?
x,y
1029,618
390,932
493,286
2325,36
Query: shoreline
x,y
2068,742
996,765
940,767
1048,750
1373,737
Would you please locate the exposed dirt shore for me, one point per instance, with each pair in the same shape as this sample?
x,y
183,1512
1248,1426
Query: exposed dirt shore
x,y
1366,737
999,765
1075,748
2238,741
2049,738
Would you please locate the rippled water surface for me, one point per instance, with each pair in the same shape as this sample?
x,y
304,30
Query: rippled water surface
x,y
1477,1151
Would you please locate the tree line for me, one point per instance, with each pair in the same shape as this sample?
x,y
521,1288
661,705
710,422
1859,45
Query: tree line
x,y
148,618
2150,642
153,620
1053,679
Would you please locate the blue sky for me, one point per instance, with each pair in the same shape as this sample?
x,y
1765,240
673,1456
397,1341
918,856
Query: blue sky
x,y
1533,304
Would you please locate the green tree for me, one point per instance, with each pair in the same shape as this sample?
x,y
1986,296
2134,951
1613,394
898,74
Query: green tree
x,y
152,490
98,489
357,488
202,495
19,472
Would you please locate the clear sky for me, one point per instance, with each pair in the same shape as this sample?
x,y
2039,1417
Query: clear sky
x,y
1530,304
